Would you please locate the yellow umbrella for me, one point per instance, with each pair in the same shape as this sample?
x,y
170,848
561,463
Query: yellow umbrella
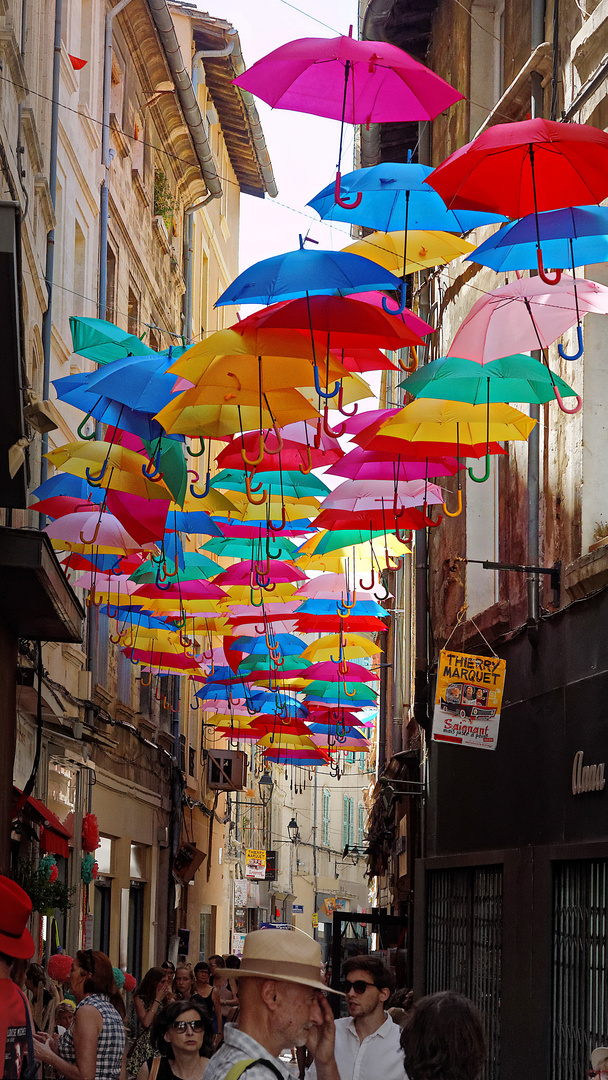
x,y
439,421
334,561
227,407
424,249
194,363
354,388
295,508
282,739
122,472
325,647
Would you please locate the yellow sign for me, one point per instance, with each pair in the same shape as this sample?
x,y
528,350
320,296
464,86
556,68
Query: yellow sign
x,y
468,699
315,919
255,863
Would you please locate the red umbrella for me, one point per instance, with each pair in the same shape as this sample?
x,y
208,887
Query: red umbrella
x,y
351,322
304,446
315,624
519,169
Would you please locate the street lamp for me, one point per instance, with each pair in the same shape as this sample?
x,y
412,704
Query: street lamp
x,y
293,831
266,786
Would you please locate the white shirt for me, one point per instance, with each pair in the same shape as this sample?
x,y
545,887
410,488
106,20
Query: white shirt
x,y
379,1055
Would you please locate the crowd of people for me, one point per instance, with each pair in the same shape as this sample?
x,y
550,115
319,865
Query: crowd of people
x,y
223,1018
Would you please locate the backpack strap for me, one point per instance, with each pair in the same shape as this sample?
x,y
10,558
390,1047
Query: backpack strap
x,y
237,1070
32,1064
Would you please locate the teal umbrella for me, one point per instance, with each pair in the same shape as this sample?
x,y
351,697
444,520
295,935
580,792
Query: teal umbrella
x,y
168,458
195,566
293,484
343,538
104,342
511,378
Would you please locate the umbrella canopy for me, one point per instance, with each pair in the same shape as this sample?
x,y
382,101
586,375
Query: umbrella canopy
x,y
512,378
229,548
77,532
74,390
103,342
353,647
306,273
342,78
346,321
525,314
424,249
438,421
274,570
289,483
140,382
361,464
573,236
362,494
299,448
108,465
521,168
327,671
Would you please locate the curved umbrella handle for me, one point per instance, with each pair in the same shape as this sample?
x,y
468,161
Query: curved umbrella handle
x,y
334,433
279,438
454,513
305,469
486,475
402,305
80,432
196,453
93,480
428,521
196,707
342,202
257,460
249,490
542,273
203,494
321,392
564,408
579,351
368,588
94,536
141,679
409,367
318,433
404,536
390,565
341,407
278,528
151,470
386,593
348,692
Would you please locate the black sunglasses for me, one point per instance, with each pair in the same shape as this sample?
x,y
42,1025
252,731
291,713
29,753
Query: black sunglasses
x,y
183,1025
359,986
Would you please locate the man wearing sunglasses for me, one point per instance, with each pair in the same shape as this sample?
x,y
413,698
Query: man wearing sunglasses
x,y
367,1043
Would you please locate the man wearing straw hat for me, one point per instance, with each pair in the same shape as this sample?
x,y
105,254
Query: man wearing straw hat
x,y
281,1004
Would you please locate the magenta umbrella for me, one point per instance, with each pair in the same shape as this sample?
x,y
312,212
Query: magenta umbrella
x,y
274,570
361,464
356,82
327,671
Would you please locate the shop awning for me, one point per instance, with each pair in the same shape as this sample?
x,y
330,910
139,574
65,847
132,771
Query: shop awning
x,y
54,836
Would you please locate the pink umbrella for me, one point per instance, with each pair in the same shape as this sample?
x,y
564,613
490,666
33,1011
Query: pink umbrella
x,y
325,585
91,528
526,314
118,585
355,424
240,573
356,495
356,82
327,671
361,464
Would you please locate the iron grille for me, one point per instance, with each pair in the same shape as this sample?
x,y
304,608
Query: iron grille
x,y
579,1020
464,943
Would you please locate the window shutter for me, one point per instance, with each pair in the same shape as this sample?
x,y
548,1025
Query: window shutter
x,y
345,822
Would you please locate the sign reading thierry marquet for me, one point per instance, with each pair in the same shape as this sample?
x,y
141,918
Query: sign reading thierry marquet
x,y
468,699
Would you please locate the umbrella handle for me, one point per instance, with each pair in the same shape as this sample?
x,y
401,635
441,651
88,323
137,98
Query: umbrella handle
x,y
343,667
428,521
196,707
92,601
334,433
318,433
94,536
368,588
151,471
197,453
386,593
454,513
404,536
542,273
486,475
306,469
80,432
141,679
340,405
343,202
205,492
409,367
564,408
389,563
321,392
249,490
258,460
279,439
115,638
278,528
579,351
347,692
252,601
95,480
402,305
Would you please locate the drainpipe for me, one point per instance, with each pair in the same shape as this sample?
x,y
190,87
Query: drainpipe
x,y
537,36
47,318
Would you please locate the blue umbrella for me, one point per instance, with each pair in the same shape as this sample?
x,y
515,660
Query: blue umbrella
x,y
391,190
289,644
65,484
74,390
141,382
319,606
306,273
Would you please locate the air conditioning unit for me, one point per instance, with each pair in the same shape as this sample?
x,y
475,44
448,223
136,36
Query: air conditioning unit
x,y
226,770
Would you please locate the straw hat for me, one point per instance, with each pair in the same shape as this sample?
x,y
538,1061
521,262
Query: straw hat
x,y
15,910
285,955
598,1057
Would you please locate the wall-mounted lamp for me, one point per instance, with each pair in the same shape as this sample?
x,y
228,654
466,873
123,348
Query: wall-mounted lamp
x,y
293,831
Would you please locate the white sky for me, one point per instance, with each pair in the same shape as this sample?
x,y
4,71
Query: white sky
x,y
303,149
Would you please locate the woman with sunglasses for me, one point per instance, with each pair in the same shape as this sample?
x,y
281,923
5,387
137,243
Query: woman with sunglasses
x,y
182,1035
93,1047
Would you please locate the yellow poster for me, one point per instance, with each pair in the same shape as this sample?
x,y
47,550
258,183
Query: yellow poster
x,y
255,863
315,919
468,699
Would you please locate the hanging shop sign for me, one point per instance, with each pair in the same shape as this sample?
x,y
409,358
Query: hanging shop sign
x,y
329,905
315,920
468,699
255,863
587,777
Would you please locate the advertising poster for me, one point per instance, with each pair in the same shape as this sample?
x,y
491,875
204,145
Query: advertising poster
x,y
255,863
238,941
468,699
240,893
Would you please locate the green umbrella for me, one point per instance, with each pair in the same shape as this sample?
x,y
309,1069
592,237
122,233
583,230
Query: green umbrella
x,y
196,566
511,378
171,463
332,541
293,484
103,342
232,547
261,662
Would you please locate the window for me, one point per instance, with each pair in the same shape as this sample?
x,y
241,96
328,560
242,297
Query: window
x,y
145,692
133,313
182,753
325,819
351,823
360,825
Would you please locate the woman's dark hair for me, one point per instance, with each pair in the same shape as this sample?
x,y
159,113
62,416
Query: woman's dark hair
x,y
202,966
35,973
443,1039
233,961
100,977
168,965
148,985
167,1016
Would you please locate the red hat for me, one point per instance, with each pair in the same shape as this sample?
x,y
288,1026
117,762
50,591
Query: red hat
x,y
15,910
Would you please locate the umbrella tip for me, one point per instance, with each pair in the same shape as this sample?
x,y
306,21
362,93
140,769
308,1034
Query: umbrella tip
x,y
350,30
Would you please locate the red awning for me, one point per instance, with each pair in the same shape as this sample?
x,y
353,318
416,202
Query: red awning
x,y
53,835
